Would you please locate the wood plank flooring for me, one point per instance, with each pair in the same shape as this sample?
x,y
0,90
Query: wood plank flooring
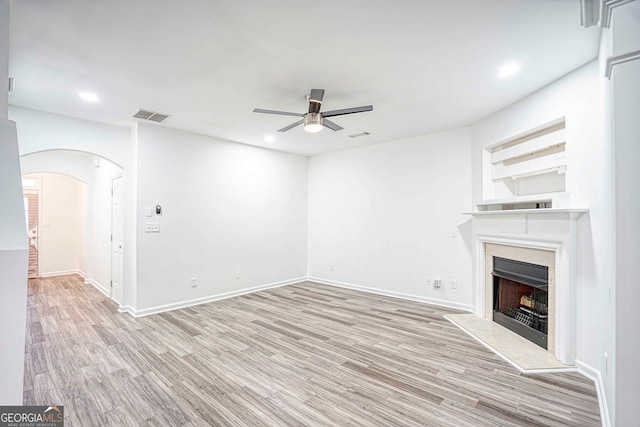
x,y
305,354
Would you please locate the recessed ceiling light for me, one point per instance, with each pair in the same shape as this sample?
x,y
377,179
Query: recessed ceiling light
x,y
269,138
89,97
508,70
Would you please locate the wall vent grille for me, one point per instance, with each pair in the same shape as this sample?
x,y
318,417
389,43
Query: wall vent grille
x,y
358,135
151,116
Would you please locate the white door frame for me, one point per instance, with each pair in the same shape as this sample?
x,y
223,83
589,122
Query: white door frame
x,y
37,187
117,237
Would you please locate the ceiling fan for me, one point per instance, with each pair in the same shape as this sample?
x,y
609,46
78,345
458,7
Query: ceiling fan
x,y
314,120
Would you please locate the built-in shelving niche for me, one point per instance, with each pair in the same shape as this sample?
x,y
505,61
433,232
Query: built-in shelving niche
x,y
527,171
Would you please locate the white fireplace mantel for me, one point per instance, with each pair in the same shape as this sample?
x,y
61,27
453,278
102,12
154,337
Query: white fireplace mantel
x,y
542,212
553,230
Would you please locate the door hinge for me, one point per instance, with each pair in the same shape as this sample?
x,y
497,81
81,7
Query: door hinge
x,y
112,283
111,237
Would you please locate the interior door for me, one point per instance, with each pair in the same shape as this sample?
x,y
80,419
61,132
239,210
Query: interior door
x,y
31,216
116,239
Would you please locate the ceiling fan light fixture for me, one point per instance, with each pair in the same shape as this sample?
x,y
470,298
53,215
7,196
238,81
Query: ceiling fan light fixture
x,y
313,122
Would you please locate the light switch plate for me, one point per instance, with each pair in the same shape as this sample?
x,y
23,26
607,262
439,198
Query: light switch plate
x,y
148,212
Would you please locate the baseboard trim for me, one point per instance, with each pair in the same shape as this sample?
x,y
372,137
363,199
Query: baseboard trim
x,y
61,273
127,309
204,300
103,289
410,297
594,375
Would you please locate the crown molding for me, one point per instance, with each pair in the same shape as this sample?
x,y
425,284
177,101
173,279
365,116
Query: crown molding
x,y
607,7
620,59
589,12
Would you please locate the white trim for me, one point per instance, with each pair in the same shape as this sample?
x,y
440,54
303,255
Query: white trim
x,y
589,12
536,166
512,212
106,291
607,11
127,309
197,301
88,281
594,375
62,273
530,146
620,59
416,298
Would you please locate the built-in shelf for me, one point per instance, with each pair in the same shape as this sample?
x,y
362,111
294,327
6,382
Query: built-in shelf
x,y
533,161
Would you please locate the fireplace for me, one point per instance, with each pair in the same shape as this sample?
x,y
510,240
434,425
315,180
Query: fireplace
x,y
547,238
516,277
521,298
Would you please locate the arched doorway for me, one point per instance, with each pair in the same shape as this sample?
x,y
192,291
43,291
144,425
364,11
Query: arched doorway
x,y
97,261
55,207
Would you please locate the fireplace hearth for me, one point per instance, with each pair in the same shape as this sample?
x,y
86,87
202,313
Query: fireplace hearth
x,y
520,298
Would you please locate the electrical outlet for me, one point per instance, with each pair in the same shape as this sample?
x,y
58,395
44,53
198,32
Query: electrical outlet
x,y
238,275
152,227
193,282
454,284
437,283
429,281
331,267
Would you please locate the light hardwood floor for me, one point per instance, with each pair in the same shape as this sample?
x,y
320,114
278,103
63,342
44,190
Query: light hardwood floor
x,y
305,354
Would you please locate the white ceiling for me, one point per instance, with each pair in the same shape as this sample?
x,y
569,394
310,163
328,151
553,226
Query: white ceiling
x,y
425,65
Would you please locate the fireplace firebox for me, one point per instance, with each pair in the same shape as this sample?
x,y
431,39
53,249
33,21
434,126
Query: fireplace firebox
x,y
520,298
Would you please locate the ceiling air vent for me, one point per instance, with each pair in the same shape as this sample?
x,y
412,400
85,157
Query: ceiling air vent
x,y
152,116
357,135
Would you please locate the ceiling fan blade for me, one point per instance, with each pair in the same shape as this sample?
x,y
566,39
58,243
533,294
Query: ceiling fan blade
x,y
344,111
282,113
291,126
315,100
330,124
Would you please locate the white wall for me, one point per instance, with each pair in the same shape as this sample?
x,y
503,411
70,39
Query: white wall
x,y
625,90
38,131
241,177
13,242
227,208
61,246
579,97
5,8
96,224
384,215
13,268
